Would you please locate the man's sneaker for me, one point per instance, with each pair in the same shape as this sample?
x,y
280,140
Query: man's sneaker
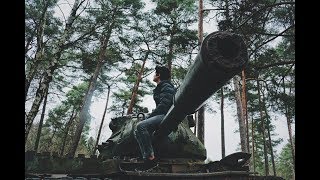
x,y
148,165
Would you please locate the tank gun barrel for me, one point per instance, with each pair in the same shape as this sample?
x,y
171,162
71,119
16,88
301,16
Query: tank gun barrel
x,y
222,55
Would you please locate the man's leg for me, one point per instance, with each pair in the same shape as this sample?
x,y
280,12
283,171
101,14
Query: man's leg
x,y
143,133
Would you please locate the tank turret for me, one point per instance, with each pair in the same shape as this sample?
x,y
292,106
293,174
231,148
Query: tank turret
x,y
181,143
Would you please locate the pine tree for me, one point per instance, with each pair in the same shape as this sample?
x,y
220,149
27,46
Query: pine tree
x,y
113,16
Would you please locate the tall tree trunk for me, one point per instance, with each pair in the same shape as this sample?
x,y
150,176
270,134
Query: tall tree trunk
x,y
170,54
271,151
29,40
200,121
266,163
244,105
49,145
253,151
196,122
44,85
40,93
200,132
101,125
242,126
36,145
223,148
288,117
291,141
244,108
289,121
87,99
200,24
136,85
269,136
68,125
32,68
72,132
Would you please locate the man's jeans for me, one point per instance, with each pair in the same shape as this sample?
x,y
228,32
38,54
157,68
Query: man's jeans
x,y
143,134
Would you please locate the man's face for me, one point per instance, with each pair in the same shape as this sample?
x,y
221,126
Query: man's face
x,y
156,77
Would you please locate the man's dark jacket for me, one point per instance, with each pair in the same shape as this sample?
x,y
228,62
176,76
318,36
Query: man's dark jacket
x,y
163,96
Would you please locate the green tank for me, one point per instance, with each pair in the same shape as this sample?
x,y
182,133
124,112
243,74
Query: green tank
x,y
222,55
181,143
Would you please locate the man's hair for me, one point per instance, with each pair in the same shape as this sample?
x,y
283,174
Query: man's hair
x,y
163,71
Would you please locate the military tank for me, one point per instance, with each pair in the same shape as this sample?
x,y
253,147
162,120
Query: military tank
x,y
181,154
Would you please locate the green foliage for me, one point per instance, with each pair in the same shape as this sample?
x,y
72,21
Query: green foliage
x,y
39,15
76,94
55,116
168,6
55,125
259,22
120,102
172,21
122,97
88,63
79,54
32,137
285,162
86,143
179,73
282,91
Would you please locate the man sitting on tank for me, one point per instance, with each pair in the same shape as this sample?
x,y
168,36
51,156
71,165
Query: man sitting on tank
x,y
163,97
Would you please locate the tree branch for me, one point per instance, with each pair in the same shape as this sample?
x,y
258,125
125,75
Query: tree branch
x,y
270,40
270,34
274,64
263,8
81,37
64,17
218,9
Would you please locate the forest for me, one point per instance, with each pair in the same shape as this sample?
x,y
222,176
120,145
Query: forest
x,y
78,51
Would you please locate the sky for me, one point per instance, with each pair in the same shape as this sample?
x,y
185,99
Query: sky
x,y
212,120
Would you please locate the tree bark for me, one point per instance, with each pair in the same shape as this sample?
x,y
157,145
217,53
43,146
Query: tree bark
x,y
31,71
35,106
48,149
68,125
36,145
136,85
29,40
271,152
253,151
288,117
44,85
200,121
87,99
101,125
223,148
170,54
200,132
242,126
270,140
244,106
266,164
200,24
196,122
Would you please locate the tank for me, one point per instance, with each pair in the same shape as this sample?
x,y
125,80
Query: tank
x,y
222,55
181,154
181,143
